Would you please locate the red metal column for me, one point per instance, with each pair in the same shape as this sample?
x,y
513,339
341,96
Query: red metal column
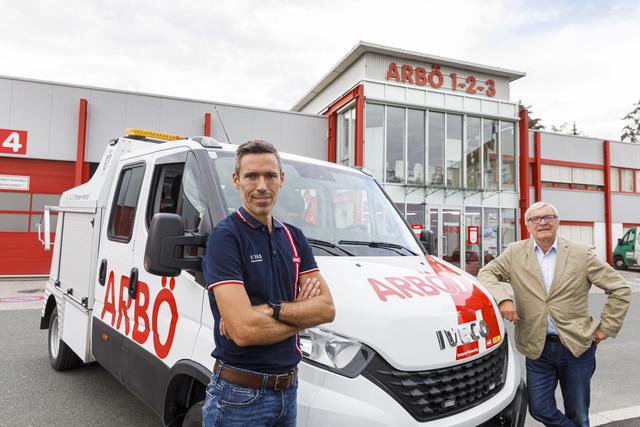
x,y
359,139
207,124
537,167
82,140
607,199
524,170
356,94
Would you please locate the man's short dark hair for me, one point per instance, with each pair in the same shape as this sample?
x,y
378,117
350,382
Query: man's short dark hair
x,y
257,146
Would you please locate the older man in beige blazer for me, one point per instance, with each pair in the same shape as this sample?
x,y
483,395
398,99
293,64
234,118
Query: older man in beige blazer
x,y
551,278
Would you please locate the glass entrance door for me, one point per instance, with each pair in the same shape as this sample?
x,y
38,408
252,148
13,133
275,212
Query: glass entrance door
x,y
444,234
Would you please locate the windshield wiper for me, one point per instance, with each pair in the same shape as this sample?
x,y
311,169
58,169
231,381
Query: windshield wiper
x,y
372,244
324,243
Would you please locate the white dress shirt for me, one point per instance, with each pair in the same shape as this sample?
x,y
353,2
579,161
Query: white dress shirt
x,y
547,263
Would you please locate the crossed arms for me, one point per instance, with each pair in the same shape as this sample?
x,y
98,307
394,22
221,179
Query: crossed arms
x,y
248,325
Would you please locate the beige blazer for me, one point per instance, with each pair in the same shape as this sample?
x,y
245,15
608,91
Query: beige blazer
x,y
577,268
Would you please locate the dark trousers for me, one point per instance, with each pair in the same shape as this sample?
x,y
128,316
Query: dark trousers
x,y
557,364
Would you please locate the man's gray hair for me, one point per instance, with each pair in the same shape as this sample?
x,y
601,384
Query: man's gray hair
x,y
540,205
257,146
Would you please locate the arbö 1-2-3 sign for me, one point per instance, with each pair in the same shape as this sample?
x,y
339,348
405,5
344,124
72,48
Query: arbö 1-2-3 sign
x,y
434,78
13,141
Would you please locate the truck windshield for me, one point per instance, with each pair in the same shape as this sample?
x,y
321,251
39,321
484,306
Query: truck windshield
x,y
342,213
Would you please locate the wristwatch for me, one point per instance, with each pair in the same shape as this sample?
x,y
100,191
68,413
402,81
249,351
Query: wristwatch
x,y
275,306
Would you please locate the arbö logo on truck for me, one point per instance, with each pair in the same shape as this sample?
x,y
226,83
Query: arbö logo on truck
x,y
466,296
142,327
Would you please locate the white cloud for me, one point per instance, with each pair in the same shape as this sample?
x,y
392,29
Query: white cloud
x,y
580,61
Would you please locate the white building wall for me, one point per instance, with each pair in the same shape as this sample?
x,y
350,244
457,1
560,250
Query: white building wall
x,y
600,240
354,74
49,113
554,146
625,155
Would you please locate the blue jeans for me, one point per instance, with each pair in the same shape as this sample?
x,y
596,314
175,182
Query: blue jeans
x,y
557,364
228,404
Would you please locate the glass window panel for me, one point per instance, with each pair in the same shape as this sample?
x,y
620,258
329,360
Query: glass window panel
x,y
436,148
415,217
14,222
508,228
39,201
415,146
490,151
638,181
395,144
627,179
374,139
10,201
508,150
472,251
451,236
346,136
454,150
431,245
124,209
400,208
615,179
490,235
472,152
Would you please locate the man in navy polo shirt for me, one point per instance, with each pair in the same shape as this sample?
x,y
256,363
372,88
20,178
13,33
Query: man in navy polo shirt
x,y
265,287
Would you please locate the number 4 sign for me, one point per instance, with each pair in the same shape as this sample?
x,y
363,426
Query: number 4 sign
x,y
13,141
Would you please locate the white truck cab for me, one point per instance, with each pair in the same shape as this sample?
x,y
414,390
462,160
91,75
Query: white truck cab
x,y
415,341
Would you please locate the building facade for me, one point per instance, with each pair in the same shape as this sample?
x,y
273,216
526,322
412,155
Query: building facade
x,y
441,136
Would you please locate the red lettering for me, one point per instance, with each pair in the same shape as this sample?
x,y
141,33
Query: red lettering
x,y
491,87
407,73
122,306
421,76
140,313
165,296
109,300
383,290
424,287
403,286
392,72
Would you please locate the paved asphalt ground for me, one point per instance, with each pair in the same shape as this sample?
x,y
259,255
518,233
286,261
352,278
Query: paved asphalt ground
x,y
33,394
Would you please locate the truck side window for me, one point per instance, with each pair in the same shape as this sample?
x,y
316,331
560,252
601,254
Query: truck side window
x,y
178,190
123,211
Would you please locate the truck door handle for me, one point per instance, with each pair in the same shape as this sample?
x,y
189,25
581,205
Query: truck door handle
x,y
102,276
133,283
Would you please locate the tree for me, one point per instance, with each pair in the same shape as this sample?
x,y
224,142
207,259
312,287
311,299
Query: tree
x,y
632,130
564,128
534,123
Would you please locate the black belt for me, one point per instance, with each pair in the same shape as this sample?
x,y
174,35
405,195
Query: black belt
x,y
553,338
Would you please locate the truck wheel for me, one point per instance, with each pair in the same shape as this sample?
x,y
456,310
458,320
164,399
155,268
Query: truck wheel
x,y
618,262
61,356
193,418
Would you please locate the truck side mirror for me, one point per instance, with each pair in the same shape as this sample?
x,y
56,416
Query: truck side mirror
x,y
619,242
164,252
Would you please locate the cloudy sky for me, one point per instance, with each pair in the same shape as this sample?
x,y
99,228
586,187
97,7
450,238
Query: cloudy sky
x,y
581,57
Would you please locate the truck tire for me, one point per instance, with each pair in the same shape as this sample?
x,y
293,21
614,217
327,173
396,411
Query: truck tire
x,y
193,418
61,356
619,264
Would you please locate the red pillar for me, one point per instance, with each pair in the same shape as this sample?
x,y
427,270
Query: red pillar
x,y
359,138
537,167
82,141
607,198
207,124
524,170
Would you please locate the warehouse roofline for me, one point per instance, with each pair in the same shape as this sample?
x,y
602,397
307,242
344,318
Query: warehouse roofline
x,y
364,47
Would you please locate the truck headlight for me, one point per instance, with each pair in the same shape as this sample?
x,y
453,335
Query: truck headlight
x,y
334,352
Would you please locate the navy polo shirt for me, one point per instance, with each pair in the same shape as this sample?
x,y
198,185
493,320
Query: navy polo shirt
x,y
241,252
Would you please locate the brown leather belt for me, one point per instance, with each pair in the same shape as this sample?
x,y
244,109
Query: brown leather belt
x,y
247,379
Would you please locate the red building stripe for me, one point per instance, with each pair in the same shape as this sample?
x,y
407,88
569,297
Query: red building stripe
x,y
607,198
82,141
524,170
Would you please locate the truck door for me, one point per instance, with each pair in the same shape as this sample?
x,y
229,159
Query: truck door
x,y
172,305
637,248
112,297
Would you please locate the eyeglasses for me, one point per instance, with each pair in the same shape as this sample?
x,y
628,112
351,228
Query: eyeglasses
x,y
546,218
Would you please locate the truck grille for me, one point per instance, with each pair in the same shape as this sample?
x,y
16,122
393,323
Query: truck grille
x,y
429,395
